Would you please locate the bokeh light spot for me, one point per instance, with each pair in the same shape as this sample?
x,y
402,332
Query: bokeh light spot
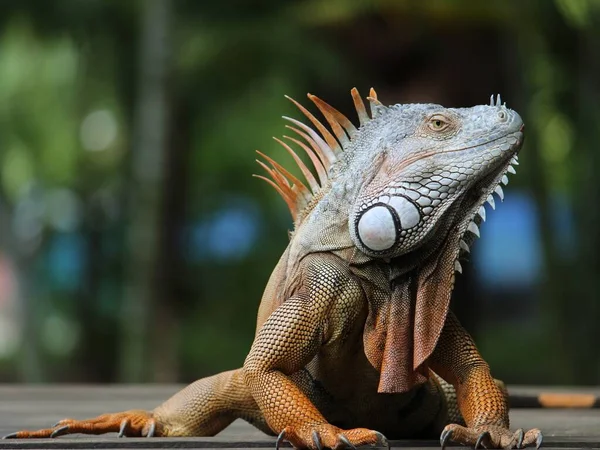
x,y
98,130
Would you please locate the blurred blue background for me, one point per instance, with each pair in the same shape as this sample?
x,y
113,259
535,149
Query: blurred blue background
x,y
135,245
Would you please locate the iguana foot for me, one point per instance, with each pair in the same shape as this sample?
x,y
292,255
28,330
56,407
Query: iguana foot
x,y
319,437
490,437
134,423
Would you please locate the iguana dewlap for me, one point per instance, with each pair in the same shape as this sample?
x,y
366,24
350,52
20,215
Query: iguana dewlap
x,y
354,333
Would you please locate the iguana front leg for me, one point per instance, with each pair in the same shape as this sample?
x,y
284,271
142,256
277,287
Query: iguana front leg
x,y
203,408
481,400
289,340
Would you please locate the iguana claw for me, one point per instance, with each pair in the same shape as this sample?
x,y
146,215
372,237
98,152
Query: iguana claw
x,y
482,436
539,440
316,440
59,432
520,438
345,440
123,427
280,439
445,437
152,429
383,440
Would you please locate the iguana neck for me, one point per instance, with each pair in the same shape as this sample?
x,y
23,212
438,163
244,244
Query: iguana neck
x,y
324,224
408,301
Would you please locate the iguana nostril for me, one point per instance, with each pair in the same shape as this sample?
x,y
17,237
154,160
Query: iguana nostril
x,y
502,115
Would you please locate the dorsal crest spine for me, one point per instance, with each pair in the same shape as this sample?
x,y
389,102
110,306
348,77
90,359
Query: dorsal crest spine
x,y
322,149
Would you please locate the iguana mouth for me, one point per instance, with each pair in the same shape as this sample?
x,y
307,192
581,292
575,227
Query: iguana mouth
x,y
428,154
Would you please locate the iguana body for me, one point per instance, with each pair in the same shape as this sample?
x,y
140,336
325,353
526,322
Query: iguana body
x,y
353,332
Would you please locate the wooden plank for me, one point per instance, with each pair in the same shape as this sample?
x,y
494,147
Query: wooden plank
x,y
553,396
35,407
535,390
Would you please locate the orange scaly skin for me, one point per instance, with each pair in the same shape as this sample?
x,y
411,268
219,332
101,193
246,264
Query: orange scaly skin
x,y
356,342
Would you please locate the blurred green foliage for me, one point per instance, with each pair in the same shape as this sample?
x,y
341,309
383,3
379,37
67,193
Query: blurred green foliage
x,y
70,77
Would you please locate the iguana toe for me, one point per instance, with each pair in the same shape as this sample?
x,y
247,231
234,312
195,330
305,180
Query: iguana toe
x,y
323,436
490,437
135,423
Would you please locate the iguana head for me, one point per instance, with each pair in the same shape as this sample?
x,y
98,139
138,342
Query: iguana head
x,y
428,167
403,177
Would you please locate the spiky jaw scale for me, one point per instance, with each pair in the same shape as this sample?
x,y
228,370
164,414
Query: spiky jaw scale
x,y
482,193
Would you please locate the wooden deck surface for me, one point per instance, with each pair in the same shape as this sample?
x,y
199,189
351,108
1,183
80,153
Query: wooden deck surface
x,y
32,407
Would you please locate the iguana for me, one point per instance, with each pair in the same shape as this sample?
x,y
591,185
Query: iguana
x,y
355,340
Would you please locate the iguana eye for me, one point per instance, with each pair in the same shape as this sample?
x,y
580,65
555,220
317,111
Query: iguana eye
x,y
438,123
